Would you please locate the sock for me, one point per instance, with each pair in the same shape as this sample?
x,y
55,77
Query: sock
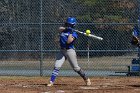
x,y
54,74
82,74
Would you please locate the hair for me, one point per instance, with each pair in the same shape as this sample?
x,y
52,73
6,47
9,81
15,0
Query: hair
x,y
69,25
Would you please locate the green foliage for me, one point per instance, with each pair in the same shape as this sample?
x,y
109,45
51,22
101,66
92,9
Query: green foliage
x,y
89,3
85,18
107,9
116,18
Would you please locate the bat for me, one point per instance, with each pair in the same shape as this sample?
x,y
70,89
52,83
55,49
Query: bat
x,y
89,35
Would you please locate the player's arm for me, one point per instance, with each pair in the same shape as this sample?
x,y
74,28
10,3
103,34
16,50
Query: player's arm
x,y
135,41
135,37
70,39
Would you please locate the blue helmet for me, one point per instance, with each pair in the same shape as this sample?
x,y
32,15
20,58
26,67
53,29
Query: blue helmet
x,y
71,21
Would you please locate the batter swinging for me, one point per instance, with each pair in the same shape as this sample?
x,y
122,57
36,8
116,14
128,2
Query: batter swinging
x,y
67,38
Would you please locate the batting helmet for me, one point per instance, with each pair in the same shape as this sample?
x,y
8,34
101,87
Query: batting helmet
x,y
70,22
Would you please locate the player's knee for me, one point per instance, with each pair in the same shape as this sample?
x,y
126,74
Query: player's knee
x,y
76,69
58,68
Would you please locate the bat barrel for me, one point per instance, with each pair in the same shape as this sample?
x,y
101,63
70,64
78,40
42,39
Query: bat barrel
x,y
90,35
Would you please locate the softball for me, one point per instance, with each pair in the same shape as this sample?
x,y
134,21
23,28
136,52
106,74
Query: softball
x,y
88,32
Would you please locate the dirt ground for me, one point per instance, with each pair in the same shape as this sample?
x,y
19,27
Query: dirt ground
x,y
18,84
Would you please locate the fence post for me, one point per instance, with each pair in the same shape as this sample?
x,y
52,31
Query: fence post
x,y
88,51
41,40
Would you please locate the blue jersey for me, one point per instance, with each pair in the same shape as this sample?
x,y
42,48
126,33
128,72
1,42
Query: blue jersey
x,y
64,37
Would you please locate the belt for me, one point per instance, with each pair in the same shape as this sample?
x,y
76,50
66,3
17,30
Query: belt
x,y
65,48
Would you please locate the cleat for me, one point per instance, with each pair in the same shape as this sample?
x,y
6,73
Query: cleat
x,y
88,83
50,84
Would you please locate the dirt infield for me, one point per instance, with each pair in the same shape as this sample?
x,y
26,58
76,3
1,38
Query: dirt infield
x,y
19,84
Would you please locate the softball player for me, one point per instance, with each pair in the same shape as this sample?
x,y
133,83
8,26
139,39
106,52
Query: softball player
x,y
67,51
136,39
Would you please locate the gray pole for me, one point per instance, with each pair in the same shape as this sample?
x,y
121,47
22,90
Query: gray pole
x,y
88,53
41,40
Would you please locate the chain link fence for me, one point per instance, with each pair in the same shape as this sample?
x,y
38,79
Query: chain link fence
x,y
29,36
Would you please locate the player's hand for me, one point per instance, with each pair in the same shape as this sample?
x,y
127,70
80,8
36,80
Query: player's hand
x,y
61,29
